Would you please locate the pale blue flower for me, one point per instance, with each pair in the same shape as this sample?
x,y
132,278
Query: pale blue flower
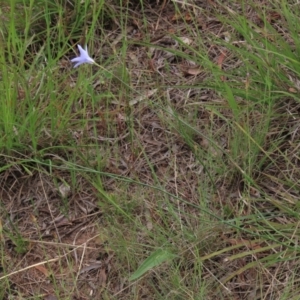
x,y
83,58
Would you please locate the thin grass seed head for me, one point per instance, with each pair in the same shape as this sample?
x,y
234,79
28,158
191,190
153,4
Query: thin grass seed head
x,y
83,58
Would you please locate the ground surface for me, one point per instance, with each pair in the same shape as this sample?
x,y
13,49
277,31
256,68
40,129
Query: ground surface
x,y
179,155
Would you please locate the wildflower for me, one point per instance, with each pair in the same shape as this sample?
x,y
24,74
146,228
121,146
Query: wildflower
x,y
82,58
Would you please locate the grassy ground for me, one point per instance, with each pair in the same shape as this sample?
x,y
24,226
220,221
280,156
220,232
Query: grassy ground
x,y
170,172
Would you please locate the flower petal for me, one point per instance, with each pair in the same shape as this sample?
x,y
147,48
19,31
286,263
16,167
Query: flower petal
x,y
76,59
81,50
76,65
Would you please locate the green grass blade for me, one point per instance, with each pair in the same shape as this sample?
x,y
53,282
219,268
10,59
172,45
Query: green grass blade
x,y
155,259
